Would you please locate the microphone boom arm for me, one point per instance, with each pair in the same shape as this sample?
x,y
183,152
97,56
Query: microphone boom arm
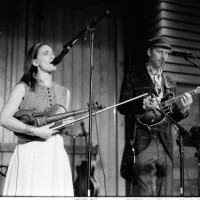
x,y
187,59
67,46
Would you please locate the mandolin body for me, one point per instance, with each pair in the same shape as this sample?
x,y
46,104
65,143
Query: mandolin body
x,y
157,116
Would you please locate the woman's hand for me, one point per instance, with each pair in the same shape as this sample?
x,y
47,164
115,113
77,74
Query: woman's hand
x,y
45,131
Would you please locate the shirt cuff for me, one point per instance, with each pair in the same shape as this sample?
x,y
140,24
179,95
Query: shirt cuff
x,y
184,113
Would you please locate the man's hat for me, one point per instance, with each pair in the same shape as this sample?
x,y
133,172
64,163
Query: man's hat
x,y
159,42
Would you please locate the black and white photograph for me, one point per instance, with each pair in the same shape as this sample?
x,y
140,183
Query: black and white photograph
x,y
99,99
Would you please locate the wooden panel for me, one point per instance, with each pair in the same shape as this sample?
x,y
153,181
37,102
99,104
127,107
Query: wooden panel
x,y
179,34
182,69
179,7
120,133
189,19
184,78
177,25
104,97
180,23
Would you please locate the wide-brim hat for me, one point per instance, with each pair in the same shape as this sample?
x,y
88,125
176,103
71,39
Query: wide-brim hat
x,y
159,42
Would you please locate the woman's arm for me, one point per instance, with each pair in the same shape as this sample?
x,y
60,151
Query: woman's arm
x,y
10,108
8,120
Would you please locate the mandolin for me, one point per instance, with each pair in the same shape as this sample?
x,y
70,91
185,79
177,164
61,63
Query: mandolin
x,y
156,116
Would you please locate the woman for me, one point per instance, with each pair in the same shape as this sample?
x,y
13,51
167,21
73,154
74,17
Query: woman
x,y
37,168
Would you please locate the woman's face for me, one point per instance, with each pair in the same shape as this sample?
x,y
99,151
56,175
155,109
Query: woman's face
x,y
44,58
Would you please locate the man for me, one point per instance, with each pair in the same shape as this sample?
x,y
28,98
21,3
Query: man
x,y
151,139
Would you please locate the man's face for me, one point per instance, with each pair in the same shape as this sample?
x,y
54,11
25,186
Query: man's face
x,y
157,57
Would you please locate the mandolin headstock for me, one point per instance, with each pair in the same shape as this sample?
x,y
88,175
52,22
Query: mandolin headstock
x,y
197,90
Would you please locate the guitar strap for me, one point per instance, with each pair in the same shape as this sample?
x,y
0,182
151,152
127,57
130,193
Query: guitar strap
x,y
167,85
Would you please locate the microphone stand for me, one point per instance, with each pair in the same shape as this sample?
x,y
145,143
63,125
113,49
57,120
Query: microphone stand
x,y
91,29
89,142
181,151
193,140
83,134
198,150
198,155
187,59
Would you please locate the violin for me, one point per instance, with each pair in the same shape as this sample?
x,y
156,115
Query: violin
x,y
56,113
39,119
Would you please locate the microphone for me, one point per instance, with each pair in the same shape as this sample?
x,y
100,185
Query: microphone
x,y
180,53
68,45
65,50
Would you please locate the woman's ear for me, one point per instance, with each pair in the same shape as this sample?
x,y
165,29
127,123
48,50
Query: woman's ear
x,y
35,62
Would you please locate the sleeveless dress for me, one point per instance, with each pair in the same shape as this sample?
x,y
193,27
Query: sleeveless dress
x,y
40,168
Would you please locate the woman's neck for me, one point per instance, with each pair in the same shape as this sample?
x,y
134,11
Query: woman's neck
x,y
45,79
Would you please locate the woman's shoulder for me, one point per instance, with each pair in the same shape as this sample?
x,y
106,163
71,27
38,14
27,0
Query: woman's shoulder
x,y
18,90
20,86
23,86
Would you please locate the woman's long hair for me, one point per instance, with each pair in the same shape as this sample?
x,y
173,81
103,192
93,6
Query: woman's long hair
x,y
30,71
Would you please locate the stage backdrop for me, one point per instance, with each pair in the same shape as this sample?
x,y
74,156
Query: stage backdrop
x,y
23,23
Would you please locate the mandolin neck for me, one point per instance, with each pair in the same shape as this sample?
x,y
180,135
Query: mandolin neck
x,y
176,99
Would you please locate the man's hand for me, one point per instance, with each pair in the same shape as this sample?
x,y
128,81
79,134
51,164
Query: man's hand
x,y
150,103
185,103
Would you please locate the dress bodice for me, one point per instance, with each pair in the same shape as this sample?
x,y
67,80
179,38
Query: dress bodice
x,y
43,97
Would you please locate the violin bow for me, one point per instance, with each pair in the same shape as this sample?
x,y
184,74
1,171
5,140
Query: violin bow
x,y
100,111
